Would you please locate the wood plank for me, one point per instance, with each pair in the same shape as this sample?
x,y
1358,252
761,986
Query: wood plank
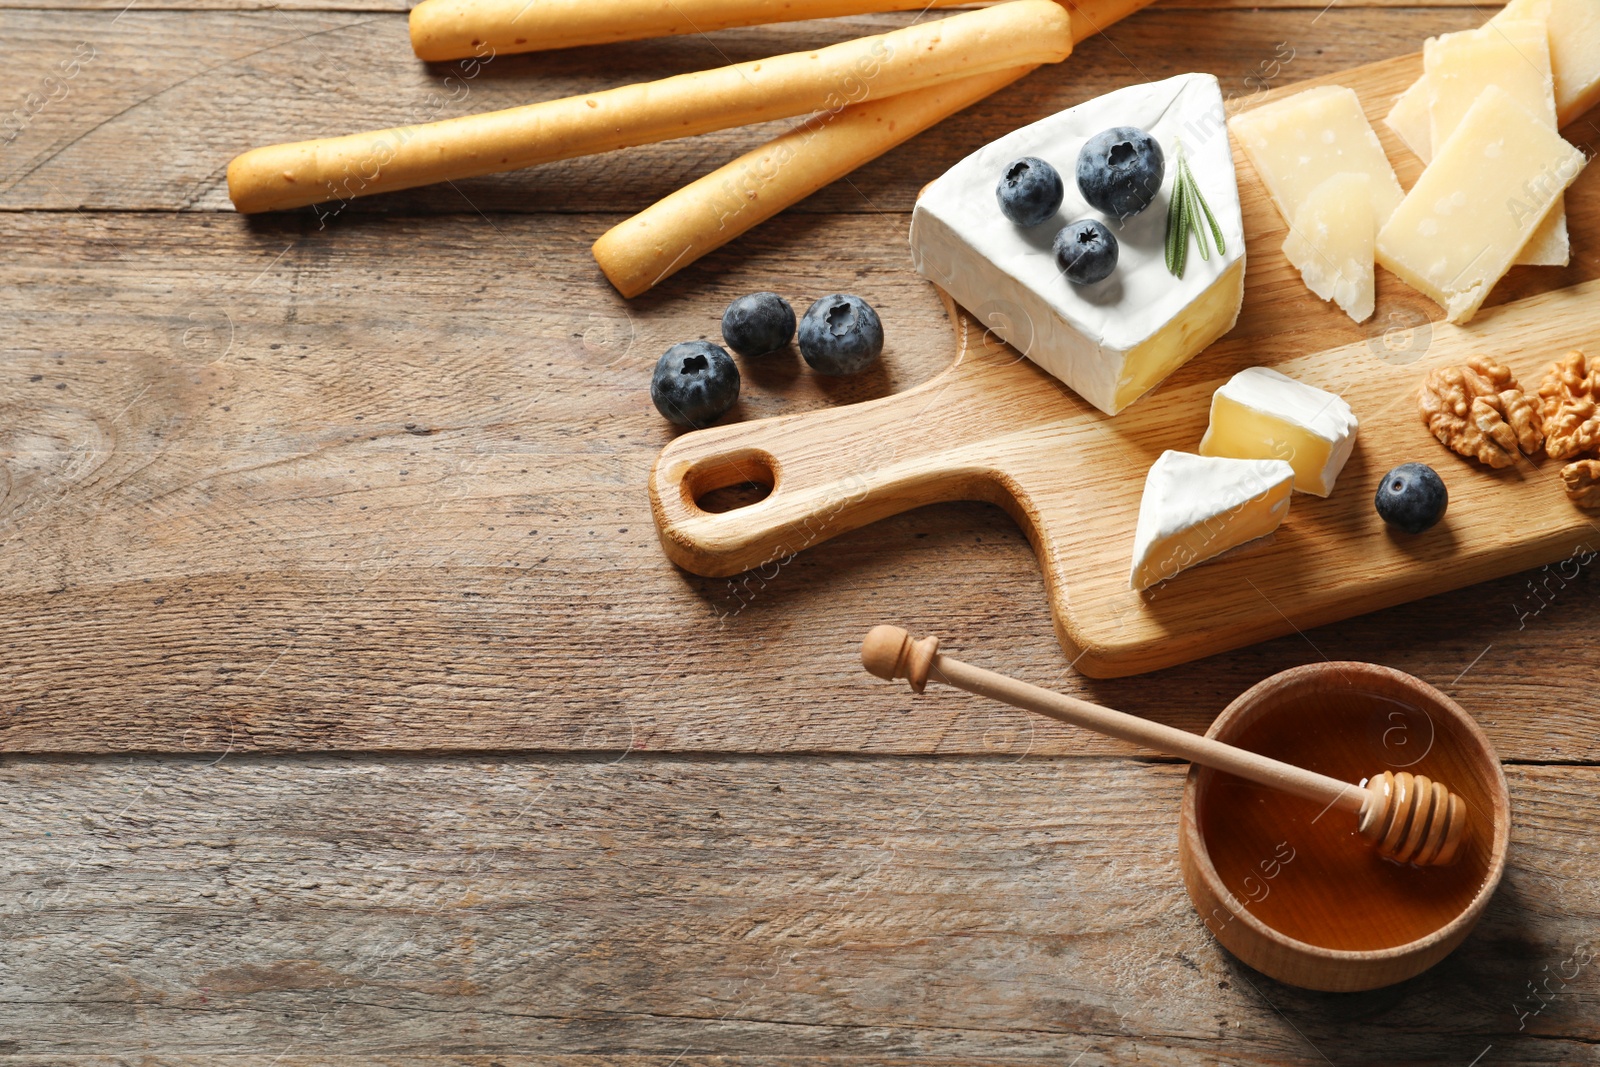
x,y
392,509
763,911
151,121
1399,6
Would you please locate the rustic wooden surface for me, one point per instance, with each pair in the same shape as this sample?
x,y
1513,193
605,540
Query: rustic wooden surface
x,y
426,529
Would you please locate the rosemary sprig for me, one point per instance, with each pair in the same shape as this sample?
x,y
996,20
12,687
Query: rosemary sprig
x,y
1184,212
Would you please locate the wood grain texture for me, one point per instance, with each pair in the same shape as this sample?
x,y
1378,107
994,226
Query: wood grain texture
x,y
390,512
151,122
578,911
762,911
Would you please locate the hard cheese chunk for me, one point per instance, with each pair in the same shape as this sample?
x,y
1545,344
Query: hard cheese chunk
x,y
1574,43
1297,143
1262,414
1574,49
1332,242
1197,507
1475,207
1115,340
1409,119
1515,55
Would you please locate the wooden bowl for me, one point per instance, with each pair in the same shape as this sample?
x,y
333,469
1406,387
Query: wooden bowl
x,y
1291,888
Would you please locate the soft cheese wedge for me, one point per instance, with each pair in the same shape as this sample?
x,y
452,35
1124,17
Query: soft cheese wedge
x,y
1262,414
1332,242
1487,190
1197,507
1113,341
1515,55
1298,142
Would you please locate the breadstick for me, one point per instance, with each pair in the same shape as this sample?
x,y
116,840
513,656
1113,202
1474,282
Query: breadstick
x,y
674,232
456,29
1008,35
706,214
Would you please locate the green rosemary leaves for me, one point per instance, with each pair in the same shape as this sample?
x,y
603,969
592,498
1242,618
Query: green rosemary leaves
x,y
1188,204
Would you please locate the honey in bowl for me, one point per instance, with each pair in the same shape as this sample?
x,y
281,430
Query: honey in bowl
x,y
1304,870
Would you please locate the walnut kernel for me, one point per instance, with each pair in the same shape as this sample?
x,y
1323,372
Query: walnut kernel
x,y
1567,407
1479,411
1583,482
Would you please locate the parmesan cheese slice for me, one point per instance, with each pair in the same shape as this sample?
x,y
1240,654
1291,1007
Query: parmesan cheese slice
x,y
1515,55
1480,200
1301,140
1333,241
1574,42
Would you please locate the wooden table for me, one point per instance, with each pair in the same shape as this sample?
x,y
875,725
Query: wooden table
x,y
352,711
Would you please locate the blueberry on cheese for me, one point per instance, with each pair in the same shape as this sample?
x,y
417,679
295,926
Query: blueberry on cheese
x,y
1114,341
1030,191
1086,252
1120,171
1197,507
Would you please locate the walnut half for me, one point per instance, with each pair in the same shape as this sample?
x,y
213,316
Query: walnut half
x,y
1583,482
1478,410
1567,407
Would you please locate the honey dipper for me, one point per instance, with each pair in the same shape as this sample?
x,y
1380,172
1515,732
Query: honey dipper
x,y
1406,817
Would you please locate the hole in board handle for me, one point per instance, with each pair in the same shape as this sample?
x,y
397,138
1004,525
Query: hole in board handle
x,y
727,483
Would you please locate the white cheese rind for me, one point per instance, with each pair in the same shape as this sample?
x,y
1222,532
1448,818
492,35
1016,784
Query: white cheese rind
x,y
1304,411
1472,211
1113,341
1197,507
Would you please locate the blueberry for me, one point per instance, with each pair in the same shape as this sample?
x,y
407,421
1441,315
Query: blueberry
x,y
841,334
1412,497
757,324
1030,191
695,382
1086,252
1120,171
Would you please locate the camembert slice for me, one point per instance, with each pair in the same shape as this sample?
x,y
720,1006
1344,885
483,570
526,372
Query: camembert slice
x,y
1475,207
1333,240
1262,414
1112,341
1515,55
1197,507
1298,142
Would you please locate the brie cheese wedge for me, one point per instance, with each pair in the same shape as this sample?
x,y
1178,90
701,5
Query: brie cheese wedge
x,y
1113,341
1197,507
1262,414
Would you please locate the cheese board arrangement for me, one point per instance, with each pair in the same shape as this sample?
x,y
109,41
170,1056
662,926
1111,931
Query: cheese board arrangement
x,y
1186,496
1186,491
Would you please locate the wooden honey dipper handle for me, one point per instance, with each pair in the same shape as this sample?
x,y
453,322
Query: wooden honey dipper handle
x,y
1406,817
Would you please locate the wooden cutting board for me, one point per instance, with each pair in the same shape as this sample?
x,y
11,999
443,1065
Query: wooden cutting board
x,y
994,427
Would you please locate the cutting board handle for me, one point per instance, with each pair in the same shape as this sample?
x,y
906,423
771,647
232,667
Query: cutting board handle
x,y
832,471
827,472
